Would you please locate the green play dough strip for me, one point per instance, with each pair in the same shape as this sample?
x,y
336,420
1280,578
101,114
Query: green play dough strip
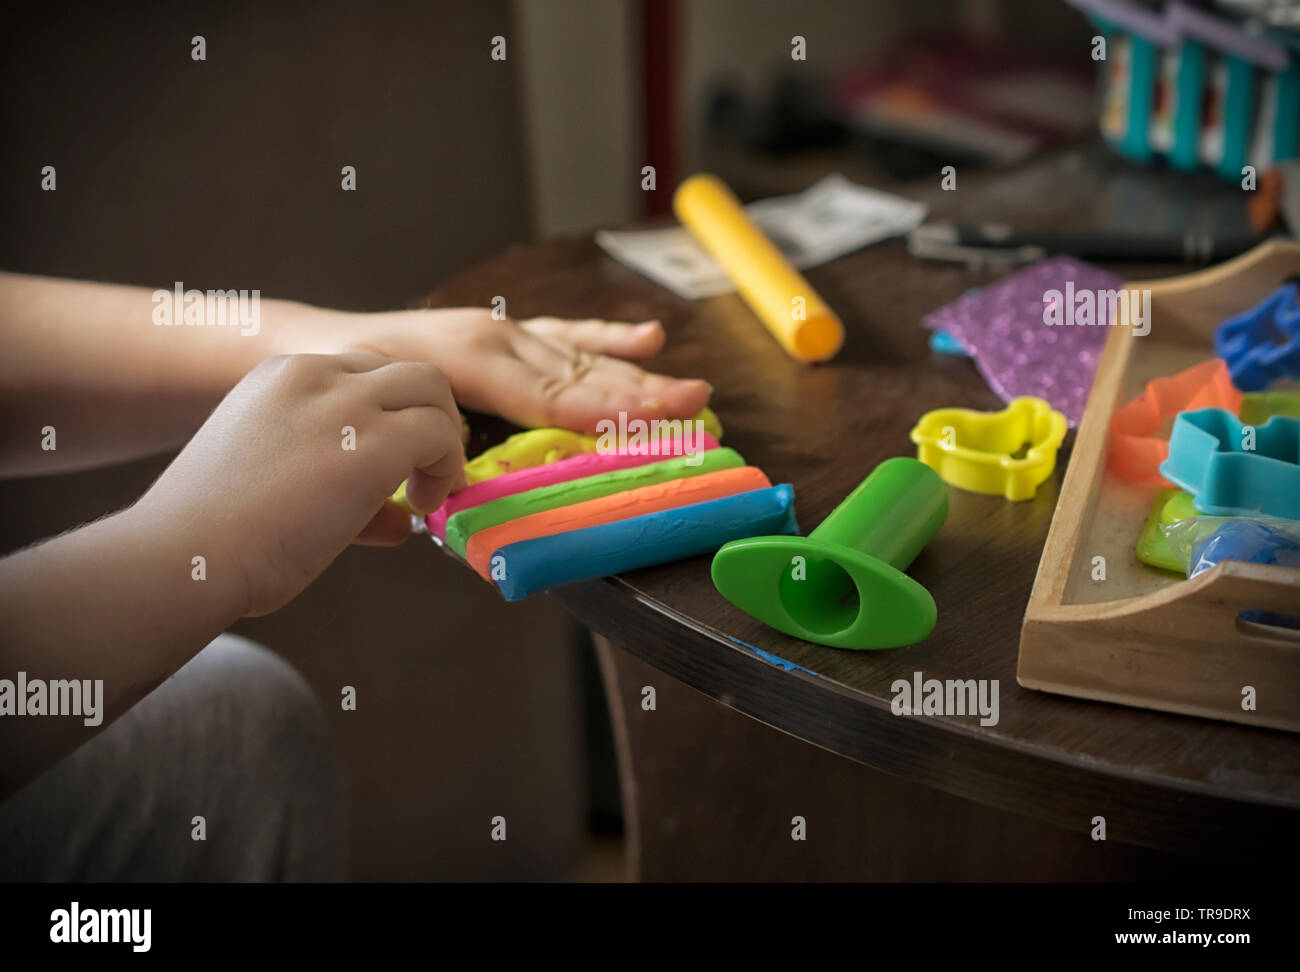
x,y
463,525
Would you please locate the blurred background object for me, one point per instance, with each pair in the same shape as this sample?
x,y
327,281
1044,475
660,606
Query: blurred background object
x,y
1183,84
1283,14
715,85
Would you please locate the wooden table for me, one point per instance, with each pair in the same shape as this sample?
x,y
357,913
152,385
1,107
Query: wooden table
x,y
1171,783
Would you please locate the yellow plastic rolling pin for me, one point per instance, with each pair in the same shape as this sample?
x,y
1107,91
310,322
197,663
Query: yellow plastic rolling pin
x,y
774,290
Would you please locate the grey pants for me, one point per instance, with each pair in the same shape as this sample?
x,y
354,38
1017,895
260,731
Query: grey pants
x,y
235,737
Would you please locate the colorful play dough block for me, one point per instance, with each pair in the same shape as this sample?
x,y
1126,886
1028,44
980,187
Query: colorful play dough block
x,y
783,300
541,447
534,565
461,526
607,509
562,471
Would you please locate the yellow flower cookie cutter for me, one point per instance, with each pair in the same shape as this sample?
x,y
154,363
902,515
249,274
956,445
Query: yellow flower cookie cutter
x,y
1008,453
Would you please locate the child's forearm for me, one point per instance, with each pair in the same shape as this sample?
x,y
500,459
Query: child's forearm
x,y
90,376
118,602
94,370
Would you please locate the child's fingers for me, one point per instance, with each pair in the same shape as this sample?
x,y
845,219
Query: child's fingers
x,y
458,481
425,436
358,362
644,393
616,338
427,490
549,382
387,528
428,445
600,394
411,384
532,397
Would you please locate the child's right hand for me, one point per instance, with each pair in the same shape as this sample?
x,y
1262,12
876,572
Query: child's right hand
x,y
300,459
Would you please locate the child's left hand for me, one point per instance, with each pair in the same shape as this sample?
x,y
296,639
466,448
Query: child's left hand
x,y
539,372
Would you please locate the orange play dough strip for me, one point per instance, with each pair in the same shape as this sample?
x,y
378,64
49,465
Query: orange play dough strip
x,y
608,509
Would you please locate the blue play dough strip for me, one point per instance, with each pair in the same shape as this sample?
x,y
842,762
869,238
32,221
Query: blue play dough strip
x,y
642,541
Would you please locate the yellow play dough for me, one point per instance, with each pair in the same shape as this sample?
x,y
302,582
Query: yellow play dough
x,y
712,424
536,447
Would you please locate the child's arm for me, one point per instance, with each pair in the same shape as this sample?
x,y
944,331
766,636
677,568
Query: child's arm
x,y
88,361
538,372
267,493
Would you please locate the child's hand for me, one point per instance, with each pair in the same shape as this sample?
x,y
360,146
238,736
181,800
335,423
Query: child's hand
x,y
298,461
538,372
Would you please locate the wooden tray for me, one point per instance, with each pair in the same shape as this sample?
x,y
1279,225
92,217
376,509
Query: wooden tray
x,y
1142,636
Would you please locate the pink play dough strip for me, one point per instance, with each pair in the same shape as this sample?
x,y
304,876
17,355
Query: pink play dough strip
x,y
562,471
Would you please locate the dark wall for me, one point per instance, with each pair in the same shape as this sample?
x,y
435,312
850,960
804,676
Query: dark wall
x,y
225,173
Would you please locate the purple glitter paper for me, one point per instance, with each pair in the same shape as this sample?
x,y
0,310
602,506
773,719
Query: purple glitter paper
x,y
1002,328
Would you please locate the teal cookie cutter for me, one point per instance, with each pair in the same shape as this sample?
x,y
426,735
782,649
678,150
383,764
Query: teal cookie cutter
x,y
1234,469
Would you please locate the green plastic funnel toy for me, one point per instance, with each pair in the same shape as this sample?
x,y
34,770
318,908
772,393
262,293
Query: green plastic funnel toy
x,y
844,585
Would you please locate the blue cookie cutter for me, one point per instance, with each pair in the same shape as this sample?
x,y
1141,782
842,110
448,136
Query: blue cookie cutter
x,y
1206,458
1262,345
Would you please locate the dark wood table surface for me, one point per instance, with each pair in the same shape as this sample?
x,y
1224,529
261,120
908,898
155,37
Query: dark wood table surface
x,y
1162,781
